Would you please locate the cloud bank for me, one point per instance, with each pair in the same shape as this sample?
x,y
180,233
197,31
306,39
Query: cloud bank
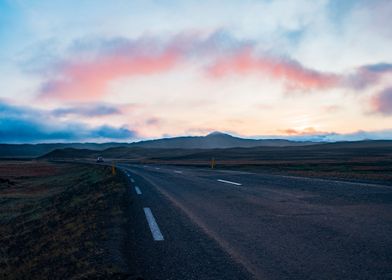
x,y
92,63
87,110
295,75
27,125
311,134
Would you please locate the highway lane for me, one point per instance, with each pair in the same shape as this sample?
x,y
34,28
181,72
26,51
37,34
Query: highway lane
x,y
165,244
277,227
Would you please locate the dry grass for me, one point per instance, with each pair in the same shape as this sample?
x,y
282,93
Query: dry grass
x,y
377,170
56,219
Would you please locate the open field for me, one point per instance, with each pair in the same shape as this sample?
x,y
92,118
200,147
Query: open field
x,y
331,161
61,221
363,160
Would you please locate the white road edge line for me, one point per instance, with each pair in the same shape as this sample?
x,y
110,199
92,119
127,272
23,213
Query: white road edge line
x,y
156,233
229,182
138,191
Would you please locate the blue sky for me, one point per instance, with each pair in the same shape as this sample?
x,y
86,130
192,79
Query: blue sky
x,y
131,70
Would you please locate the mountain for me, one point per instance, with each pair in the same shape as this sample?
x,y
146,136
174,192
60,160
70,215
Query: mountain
x,y
214,140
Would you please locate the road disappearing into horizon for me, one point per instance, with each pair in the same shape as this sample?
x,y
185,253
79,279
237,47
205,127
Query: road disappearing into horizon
x,y
193,223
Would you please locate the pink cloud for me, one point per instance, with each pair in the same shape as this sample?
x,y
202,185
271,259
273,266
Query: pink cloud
x,y
87,80
293,73
92,65
306,131
382,102
78,78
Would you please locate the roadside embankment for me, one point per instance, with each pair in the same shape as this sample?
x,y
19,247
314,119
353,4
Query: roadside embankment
x,y
62,221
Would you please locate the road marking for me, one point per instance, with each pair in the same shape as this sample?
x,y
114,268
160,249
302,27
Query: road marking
x,y
133,181
155,231
177,171
138,191
229,182
157,168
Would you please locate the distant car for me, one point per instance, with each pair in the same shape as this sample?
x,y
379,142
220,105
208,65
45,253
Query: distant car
x,y
99,159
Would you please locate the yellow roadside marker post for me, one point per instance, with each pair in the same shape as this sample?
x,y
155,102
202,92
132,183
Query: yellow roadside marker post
x,y
213,163
113,168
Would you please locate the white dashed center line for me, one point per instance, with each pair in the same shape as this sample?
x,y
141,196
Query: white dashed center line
x,y
138,191
229,182
155,231
177,171
133,181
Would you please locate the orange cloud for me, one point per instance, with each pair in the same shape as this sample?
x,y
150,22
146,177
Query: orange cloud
x,y
306,131
293,73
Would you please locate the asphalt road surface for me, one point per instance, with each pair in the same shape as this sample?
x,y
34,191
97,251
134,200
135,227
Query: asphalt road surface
x,y
192,223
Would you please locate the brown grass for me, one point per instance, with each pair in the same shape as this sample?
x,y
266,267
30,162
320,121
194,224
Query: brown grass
x,y
55,221
377,170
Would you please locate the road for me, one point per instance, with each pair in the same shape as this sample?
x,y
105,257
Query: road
x,y
215,224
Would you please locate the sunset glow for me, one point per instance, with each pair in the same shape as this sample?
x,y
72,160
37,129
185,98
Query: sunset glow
x,y
131,70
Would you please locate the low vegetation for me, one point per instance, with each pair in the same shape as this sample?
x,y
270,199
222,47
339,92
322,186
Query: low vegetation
x,y
362,160
61,221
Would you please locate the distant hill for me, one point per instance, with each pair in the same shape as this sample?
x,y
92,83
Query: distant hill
x,y
215,140
180,146
376,150
36,150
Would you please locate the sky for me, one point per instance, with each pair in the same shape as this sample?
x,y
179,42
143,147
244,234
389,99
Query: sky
x,y
97,71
